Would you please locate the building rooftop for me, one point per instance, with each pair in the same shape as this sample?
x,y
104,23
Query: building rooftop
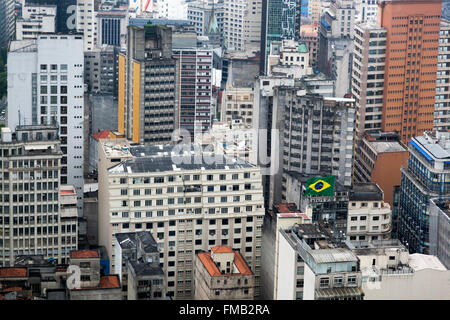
x,y
129,240
174,158
433,145
387,146
84,254
13,272
222,249
366,192
374,246
213,270
333,255
419,262
145,269
106,282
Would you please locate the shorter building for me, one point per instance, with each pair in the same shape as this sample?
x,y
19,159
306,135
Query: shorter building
x,y
92,285
36,19
136,260
282,216
94,139
440,229
378,159
309,34
314,268
100,69
238,103
222,274
369,217
14,279
319,83
389,272
290,58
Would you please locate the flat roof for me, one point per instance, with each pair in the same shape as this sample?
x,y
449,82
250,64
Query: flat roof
x,y
387,146
145,269
333,255
366,192
418,261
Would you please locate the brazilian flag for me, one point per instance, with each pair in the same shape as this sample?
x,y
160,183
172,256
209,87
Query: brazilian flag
x,y
320,186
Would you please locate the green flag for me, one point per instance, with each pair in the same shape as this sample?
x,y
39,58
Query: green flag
x,y
320,186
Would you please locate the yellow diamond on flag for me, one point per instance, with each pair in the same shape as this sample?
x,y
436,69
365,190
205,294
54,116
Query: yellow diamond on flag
x,y
320,185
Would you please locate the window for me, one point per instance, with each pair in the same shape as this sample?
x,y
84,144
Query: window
x,y
351,280
300,283
324,282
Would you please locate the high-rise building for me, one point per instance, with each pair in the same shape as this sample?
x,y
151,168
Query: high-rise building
x,y
310,145
242,24
112,27
440,229
147,86
46,86
187,206
411,65
378,159
36,19
427,176
368,76
280,19
442,104
38,214
87,23
366,10
315,268
194,89
336,33
7,22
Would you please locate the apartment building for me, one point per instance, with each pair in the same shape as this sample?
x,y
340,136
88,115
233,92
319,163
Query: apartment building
x,y
320,269
86,23
222,274
112,27
50,91
366,10
238,103
147,85
242,24
368,76
92,285
6,22
201,13
137,264
194,89
309,34
378,158
442,104
282,216
369,217
38,214
440,229
36,19
411,65
289,57
187,207
426,177
389,272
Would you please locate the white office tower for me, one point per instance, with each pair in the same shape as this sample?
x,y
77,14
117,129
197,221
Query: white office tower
x,y
45,86
242,24
87,23
36,19
172,9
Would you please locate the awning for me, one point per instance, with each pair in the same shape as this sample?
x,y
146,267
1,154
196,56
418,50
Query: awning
x,y
338,293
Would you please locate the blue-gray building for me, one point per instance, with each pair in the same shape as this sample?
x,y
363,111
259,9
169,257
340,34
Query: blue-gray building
x,y
427,176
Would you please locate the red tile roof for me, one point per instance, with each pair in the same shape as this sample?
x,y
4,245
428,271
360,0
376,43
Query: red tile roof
x,y
109,282
80,254
12,289
106,282
287,208
213,270
13,272
222,249
101,135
